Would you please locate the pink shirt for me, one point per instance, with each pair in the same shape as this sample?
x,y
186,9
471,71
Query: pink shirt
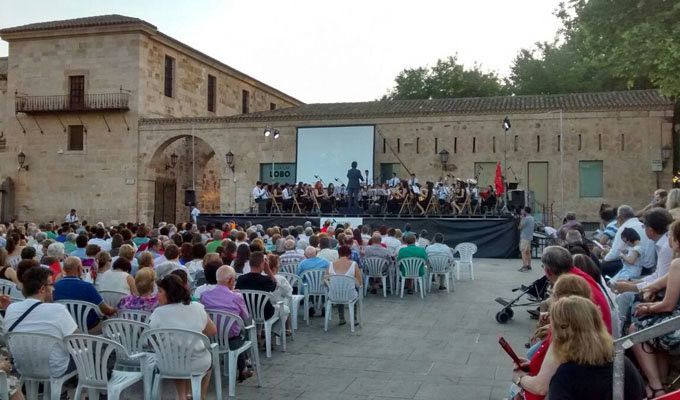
x,y
222,299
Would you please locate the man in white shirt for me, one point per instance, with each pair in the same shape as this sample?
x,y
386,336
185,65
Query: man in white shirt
x,y
413,180
612,260
258,194
40,315
195,212
326,252
394,181
438,248
656,229
71,217
392,243
100,234
172,255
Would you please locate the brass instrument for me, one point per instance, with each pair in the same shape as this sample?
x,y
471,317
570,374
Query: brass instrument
x,y
423,194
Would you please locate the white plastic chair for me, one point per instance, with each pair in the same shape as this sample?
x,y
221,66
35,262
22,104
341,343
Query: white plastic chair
x,y
112,297
224,321
298,299
440,265
91,355
134,315
465,251
256,302
79,310
409,268
315,288
289,266
4,386
10,289
174,350
31,354
342,290
128,333
375,267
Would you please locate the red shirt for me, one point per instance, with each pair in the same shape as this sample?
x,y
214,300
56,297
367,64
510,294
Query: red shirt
x,y
600,301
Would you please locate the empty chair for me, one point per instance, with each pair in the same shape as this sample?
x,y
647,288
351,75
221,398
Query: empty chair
x,y
91,355
440,265
112,297
409,268
296,282
134,315
224,321
10,289
376,268
173,350
31,353
465,251
314,288
257,302
80,310
128,333
342,290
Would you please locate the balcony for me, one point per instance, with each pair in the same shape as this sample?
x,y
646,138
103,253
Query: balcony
x,y
102,102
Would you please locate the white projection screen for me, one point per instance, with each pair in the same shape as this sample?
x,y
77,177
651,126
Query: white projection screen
x,y
327,152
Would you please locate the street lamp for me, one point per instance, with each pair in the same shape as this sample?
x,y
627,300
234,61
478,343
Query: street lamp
x,y
506,127
230,160
21,158
229,157
443,158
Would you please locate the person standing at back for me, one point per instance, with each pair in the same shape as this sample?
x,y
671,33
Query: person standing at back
x,y
353,183
526,235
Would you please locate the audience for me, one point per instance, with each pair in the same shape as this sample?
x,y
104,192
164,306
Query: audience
x,y
345,266
117,278
147,300
210,274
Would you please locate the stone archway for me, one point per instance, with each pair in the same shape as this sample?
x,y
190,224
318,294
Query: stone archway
x,y
196,168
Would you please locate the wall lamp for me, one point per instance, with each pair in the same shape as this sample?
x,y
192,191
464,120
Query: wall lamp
x,y
21,158
230,160
173,161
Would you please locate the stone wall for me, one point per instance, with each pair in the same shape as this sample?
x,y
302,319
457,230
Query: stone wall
x,y
627,174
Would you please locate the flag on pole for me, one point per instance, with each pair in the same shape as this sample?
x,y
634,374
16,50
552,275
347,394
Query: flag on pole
x,y
498,182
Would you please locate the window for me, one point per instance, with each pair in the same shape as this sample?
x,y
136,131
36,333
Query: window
x,y
398,145
579,142
590,178
474,144
169,76
538,144
436,145
455,145
76,138
384,145
599,142
245,102
417,145
212,93
272,106
76,92
516,142
493,144
559,143
623,142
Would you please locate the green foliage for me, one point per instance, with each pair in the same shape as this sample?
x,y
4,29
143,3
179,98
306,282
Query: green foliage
x,y
446,79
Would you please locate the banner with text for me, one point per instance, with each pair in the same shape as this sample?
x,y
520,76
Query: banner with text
x,y
283,173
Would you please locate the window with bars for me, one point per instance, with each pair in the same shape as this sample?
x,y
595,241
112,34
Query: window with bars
x,y
212,93
76,138
272,106
169,76
245,102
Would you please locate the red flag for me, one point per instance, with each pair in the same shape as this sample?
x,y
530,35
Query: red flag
x,y
498,182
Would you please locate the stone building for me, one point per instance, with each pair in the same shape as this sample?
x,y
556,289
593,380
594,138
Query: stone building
x,y
71,93
116,119
572,152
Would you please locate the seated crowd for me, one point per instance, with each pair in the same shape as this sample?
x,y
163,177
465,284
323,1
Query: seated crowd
x,y
630,272
176,273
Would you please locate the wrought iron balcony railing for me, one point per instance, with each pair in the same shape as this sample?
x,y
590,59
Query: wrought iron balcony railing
x,y
67,103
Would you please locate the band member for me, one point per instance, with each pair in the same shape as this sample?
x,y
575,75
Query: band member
x,y
287,197
394,181
488,197
277,194
341,196
425,195
303,198
353,184
442,194
258,196
473,191
318,193
461,196
413,180
397,198
330,196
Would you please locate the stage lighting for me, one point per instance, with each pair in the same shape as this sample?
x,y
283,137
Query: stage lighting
x,y
276,134
267,132
506,124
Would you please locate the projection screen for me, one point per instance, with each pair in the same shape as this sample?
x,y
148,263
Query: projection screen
x,y
327,152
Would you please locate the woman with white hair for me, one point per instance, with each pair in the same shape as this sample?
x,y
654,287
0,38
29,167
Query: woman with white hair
x,y
54,258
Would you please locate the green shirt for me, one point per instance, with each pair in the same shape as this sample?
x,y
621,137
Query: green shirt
x,y
69,247
212,246
413,251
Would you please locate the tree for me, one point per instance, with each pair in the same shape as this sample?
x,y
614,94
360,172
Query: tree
x,y
446,79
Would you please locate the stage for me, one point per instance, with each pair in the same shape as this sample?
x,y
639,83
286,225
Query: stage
x,y
495,237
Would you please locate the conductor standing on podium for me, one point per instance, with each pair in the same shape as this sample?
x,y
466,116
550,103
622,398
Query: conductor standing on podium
x,y
353,185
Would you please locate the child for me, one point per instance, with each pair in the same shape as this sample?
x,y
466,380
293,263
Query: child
x,y
630,256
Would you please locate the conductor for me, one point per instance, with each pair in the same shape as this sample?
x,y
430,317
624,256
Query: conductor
x,y
353,185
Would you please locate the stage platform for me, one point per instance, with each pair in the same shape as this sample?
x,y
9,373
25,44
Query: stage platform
x,y
495,237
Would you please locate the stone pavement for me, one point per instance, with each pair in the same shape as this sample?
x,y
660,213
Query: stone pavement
x,y
444,347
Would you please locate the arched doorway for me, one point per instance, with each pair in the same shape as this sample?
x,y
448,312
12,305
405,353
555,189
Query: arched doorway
x,y
180,164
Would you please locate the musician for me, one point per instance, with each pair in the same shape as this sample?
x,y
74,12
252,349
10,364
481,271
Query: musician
x,y
277,194
267,195
397,197
425,195
303,198
442,193
330,196
394,181
369,181
353,184
473,191
488,197
413,180
460,196
341,195
258,197
287,197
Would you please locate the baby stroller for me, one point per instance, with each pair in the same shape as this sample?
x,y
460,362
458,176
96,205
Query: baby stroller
x,y
536,292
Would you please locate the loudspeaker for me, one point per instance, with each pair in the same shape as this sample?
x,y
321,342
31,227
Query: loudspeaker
x,y
517,199
189,197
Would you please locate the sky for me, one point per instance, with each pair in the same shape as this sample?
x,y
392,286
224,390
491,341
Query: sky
x,y
326,51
